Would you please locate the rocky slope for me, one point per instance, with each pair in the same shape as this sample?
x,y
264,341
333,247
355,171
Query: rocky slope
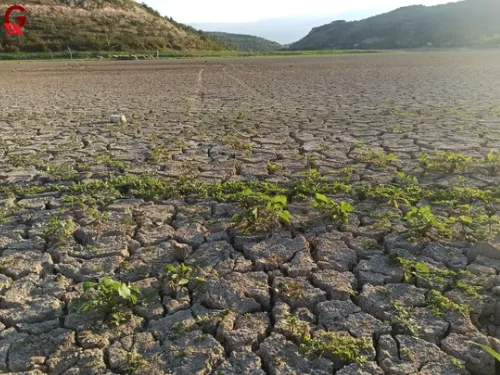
x,y
245,42
460,24
53,25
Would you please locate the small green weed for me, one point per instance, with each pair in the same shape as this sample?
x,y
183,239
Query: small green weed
x,y
134,362
422,221
380,159
261,212
110,297
440,304
445,161
272,168
180,276
343,347
492,162
337,211
60,231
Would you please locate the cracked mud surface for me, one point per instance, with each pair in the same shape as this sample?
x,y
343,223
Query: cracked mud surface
x,y
263,295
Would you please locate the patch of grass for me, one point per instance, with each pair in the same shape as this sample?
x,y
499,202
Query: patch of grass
x,y
343,347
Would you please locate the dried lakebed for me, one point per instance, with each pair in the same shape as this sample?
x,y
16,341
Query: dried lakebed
x,y
253,216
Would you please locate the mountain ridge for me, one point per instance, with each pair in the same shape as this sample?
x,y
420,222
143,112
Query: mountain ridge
x,y
457,24
110,25
245,42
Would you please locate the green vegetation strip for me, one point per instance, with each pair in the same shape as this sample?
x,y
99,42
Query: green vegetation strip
x,y
78,55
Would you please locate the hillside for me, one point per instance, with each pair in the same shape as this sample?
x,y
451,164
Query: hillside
x,y
110,25
245,42
461,24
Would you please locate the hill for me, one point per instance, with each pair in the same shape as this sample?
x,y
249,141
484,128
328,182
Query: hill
x,y
245,42
110,25
461,24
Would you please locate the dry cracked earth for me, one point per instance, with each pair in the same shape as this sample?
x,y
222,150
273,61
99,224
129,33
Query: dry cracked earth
x,y
83,199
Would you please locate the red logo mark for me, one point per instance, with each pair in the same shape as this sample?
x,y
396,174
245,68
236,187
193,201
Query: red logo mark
x,y
14,28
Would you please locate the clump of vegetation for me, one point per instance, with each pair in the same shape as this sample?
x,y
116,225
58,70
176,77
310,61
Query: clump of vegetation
x,y
60,231
440,304
297,328
180,276
492,161
60,172
112,298
343,347
134,361
337,211
236,144
403,319
422,222
434,275
394,195
109,162
475,224
261,212
445,161
380,159
272,168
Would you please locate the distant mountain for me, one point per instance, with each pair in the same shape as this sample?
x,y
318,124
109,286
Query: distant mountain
x,y
461,24
282,30
110,25
245,42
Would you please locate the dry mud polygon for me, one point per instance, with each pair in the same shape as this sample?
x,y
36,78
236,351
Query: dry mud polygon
x,y
261,293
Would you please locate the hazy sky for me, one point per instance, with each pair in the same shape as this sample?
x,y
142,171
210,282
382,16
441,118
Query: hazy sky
x,y
190,11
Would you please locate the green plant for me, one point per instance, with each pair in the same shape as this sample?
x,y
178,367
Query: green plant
x,y
261,212
445,161
440,304
380,158
333,209
60,172
394,195
180,276
492,161
405,179
343,347
60,231
272,168
475,224
134,361
110,297
236,144
487,349
297,327
422,221
403,319
435,275
156,154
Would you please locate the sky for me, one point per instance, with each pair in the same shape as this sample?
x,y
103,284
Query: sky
x,y
198,11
